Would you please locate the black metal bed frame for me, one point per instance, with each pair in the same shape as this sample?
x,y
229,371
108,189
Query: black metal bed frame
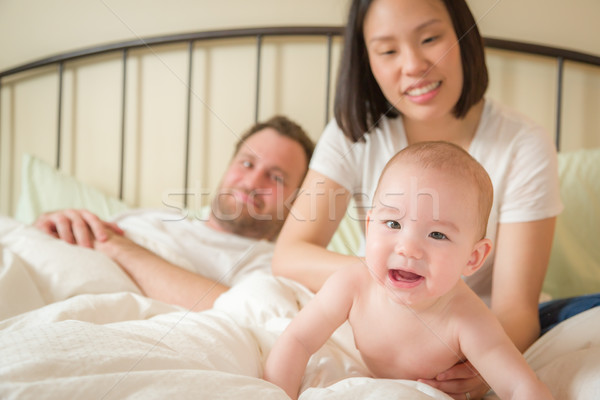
x,y
560,55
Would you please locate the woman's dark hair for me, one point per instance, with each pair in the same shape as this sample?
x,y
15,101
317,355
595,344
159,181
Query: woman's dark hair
x,y
359,102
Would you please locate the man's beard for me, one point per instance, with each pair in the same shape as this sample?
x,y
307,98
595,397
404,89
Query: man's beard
x,y
244,219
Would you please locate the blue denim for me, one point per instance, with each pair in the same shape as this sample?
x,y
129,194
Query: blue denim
x,y
555,311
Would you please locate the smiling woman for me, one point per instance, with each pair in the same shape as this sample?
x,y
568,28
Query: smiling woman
x,y
410,59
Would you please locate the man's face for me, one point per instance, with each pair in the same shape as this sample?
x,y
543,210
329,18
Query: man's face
x,y
256,191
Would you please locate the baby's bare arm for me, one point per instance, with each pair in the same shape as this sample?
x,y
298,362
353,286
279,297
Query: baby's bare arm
x,y
487,346
308,331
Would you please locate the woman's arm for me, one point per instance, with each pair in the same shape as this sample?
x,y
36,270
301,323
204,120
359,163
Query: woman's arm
x,y
301,249
159,279
522,255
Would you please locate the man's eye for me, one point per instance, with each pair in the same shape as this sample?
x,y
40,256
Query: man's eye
x,y
438,235
392,224
277,178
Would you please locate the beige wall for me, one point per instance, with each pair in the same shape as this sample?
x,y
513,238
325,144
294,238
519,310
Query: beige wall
x,y
293,80
30,29
46,27
569,24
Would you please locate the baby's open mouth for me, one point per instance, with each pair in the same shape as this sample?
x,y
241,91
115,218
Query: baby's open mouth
x,y
398,275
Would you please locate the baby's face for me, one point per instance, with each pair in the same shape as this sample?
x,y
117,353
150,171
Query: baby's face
x,y
421,232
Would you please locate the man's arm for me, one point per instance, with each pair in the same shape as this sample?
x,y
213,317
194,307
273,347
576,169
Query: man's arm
x,y
158,278
155,277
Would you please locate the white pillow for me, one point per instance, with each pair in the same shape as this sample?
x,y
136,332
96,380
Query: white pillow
x,y
574,267
44,189
38,269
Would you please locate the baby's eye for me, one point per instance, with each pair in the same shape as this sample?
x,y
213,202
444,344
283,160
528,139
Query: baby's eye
x,y
392,224
438,236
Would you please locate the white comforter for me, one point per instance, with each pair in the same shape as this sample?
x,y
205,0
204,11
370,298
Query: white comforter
x,y
73,326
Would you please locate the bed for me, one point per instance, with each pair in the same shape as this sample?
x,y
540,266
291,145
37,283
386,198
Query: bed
x,y
73,325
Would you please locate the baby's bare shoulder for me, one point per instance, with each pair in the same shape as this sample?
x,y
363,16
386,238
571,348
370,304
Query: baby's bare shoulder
x,y
472,315
352,274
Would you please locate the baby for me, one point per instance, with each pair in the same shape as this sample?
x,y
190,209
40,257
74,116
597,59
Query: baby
x,y
412,315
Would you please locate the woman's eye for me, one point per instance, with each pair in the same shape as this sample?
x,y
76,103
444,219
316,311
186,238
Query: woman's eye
x,y
246,164
438,235
392,224
430,39
383,51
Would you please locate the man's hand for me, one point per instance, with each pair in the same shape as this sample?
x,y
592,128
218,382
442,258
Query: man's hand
x,y
79,227
460,379
117,247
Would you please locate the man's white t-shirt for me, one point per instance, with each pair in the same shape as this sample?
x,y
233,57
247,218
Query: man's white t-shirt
x,y
517,154
190,244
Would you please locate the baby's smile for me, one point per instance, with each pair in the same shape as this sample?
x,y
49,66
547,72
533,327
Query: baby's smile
x,y
404,279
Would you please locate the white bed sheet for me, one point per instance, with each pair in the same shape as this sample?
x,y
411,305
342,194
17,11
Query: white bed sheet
x,y
74,326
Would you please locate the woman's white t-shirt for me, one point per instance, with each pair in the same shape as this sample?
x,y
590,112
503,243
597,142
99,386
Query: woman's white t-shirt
x,y
517,154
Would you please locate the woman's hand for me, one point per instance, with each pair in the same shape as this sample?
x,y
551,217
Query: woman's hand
x,y
462,381
79,227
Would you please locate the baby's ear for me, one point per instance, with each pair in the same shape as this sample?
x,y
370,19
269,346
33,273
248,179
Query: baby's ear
x,y
481,251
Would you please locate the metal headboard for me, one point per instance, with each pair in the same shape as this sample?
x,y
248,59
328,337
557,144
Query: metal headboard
x,y
560,55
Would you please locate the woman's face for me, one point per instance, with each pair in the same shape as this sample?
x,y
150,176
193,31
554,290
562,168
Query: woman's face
x,y
415,56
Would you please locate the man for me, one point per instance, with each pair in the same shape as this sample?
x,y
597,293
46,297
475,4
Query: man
x,y
204,257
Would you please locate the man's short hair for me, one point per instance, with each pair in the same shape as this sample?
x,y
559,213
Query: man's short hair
x,y
285,127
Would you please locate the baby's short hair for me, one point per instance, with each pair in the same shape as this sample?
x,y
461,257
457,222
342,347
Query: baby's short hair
x,y
453,159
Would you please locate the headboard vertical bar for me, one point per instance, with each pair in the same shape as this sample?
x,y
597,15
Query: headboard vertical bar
x,y
10,188
188,118
123,112
61,69
559,93
258,66
328,79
